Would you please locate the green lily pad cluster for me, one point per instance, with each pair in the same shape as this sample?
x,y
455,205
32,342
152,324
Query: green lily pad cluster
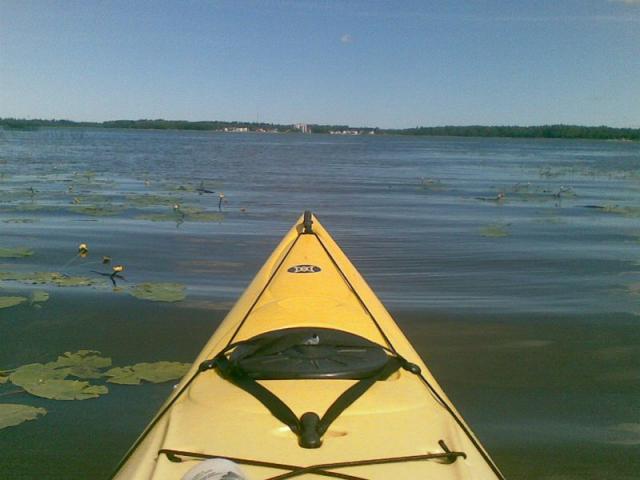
x,y
12,414
159,292
31,207
15,252
149,200
158,372
184,214
625,211
83,363
34,299
20,220
53,278
89,198
61,389
38,296
75,376
495,230
84,196
50,380
526,192
11,301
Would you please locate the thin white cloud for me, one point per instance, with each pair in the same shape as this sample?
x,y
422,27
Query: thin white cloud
x,y
346,38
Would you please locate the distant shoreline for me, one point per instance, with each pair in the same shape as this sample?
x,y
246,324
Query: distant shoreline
x,y
541,131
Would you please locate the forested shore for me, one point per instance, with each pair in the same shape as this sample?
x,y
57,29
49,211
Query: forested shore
x,y
541,131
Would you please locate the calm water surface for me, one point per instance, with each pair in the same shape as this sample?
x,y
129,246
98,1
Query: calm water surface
x,y
525,307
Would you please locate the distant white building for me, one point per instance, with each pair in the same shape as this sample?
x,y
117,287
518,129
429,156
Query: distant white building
x,y
303,127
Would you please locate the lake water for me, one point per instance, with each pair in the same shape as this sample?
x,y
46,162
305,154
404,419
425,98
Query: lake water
x,y
512,265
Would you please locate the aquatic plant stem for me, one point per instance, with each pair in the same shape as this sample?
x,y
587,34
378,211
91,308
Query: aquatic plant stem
x,y
68,264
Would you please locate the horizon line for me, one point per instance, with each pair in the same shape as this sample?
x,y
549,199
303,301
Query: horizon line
x,y
252,122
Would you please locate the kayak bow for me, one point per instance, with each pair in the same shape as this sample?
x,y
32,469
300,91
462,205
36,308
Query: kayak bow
x,y
309,376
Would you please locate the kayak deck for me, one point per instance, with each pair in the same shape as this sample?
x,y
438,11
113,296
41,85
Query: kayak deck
x,y
405,420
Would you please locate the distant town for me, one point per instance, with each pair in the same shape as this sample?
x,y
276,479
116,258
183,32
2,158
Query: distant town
x,y
302,128
541,131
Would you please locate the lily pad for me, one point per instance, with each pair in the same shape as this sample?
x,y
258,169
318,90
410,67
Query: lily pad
x,y
38,296
34,373
6,302
12,414
85,364
141,201
3,378
159,292
47,381
15,252
91,199
156,372
33,207
67,281
54,278
20,220
495,230
625,211
66,390
91,358
123,376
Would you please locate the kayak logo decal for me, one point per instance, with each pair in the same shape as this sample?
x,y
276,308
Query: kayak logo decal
x,y
304,269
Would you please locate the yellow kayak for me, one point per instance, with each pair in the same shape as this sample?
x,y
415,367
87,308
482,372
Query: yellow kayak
x,y
308,377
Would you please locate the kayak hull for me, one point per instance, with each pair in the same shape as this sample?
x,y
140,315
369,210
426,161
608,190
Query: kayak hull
x,y
309,282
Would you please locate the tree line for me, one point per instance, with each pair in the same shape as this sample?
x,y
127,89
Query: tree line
x,y
541,131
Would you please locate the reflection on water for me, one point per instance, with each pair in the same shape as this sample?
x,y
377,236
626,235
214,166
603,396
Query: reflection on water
x,y
512,265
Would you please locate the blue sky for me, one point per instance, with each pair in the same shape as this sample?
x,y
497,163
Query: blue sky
x,y
376,63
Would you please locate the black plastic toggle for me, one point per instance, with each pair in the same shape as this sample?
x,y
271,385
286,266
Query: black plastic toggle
x,y
307,222
451,456
309,437
411,367
208,365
